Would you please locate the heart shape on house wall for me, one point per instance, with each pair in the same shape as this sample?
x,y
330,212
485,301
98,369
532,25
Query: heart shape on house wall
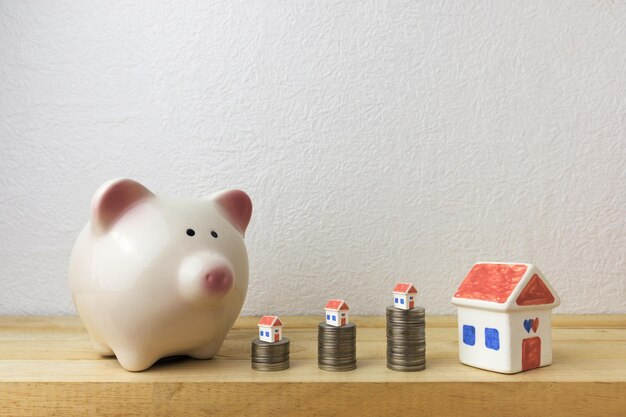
x,y
531,324
535,324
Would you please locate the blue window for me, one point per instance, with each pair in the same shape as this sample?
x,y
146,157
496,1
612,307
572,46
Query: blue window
x,y
334,317
267,333
327,316
261,333
469,335
395,299
402,301
492,339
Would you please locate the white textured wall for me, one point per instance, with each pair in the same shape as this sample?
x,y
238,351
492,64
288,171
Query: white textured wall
x,y
379,141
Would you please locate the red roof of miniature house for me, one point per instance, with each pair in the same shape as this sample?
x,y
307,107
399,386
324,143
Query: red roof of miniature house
x,y
491,282
405,287
501,283
270,321
336,304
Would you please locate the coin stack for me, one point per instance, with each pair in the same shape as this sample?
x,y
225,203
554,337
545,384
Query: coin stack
x,y
406,341
270,356
336,347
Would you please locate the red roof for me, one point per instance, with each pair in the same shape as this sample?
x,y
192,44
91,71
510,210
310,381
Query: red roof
x,y
336,304
405,287
535,293
270,321
491,282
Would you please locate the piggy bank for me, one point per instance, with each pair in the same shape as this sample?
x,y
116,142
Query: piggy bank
x,y
153,277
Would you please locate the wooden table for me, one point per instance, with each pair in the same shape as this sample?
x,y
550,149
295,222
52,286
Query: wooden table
x,y
47,368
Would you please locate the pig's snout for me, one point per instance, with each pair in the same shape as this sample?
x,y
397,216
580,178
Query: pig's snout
x,y
218,280
204,276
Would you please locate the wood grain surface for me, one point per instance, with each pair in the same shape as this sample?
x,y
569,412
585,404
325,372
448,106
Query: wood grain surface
x,y
48,368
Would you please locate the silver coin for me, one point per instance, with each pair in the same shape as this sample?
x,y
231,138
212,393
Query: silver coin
x,y
269,353
405,358
327,327
414,338
406,342
399,356
407,319
403,345
335,358
406,339
338,357
403,337
403,354
413,364
406,346
403,320
333,362
266,367
406,328
408,360
273,345
336,347
335,368
406,368
270,357
399,345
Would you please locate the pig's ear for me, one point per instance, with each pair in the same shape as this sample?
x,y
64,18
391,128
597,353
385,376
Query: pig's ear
x,y
236,206
113,199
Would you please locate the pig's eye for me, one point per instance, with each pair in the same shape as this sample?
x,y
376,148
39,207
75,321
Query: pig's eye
x,y
214,234
191,232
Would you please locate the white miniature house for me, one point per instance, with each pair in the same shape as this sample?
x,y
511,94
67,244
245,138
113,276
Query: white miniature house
x,y
404,294
336,312
504,317
270,329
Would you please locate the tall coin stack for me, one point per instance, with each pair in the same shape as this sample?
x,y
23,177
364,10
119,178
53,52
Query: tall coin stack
x,y
268,356
336,347
406,340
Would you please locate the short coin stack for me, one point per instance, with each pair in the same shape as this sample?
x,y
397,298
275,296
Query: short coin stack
x,y
270,356
336,347
406,341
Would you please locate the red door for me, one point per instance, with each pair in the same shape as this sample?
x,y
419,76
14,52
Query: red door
x,y
275,337
343,321
411,304
531,353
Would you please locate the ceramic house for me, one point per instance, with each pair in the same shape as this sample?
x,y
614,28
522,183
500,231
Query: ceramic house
x,y
504,317
336,312
404,294
270,329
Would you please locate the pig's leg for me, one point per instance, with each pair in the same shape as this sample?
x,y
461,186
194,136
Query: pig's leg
x,y
101,348
205,352
135,359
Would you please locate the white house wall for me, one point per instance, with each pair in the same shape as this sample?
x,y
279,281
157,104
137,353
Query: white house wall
x,y
332,313
519,333
479,355
404,297
264,329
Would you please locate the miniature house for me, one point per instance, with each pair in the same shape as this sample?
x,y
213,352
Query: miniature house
x,y
504,317
336,312
404,295
270,329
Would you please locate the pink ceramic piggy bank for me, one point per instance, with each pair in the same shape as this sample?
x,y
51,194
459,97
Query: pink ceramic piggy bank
x,y
154,277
